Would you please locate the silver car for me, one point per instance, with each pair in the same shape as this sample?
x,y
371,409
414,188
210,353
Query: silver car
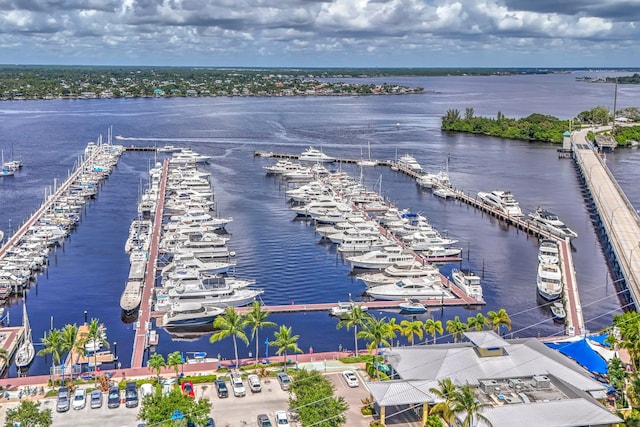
x,y
95,399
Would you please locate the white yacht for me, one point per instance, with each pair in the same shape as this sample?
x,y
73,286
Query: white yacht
x,y
549,281
422,288
345,308
398,271
190,314
187,156
503,201
548,252
407,161
426,180
281,167
550,222
365,243
382,258
444,193
314,155
425,240
132,294
168,149
468,282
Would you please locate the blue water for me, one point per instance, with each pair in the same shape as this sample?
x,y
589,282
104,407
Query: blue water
x,y
285,256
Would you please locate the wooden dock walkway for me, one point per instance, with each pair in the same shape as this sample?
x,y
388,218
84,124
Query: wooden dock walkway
x,y
618,219
10,338
144,327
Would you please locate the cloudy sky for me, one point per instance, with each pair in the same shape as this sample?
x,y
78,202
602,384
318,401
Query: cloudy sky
x,y
322,33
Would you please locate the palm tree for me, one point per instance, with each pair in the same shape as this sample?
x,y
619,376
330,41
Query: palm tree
x,y
465,402
69,335
355,318
456,328
410,329
477,322
156,363
393,328
95,335
174,360
446,391
231,323
433,327
257,319
376,332
285,343
54,345
498,320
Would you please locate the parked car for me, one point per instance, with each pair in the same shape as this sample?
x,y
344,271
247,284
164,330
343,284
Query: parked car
x,y
113,400
281,419
62,405
131,394
238,386
284,380
210,423
351,378
95,399
79,398
187,389
263,421
254,383
146,389
221,389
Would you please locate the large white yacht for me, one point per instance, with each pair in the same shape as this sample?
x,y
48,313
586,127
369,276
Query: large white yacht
x,y
549,281
421,288
314,155
550,222
190,314
381,259
503,201
548,252
398,271
409,162
468,282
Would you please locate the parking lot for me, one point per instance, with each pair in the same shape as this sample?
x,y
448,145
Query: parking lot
x,y
228,412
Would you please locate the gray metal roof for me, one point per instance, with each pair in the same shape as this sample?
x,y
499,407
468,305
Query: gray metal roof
x,y
399,392
559,413
484,339
523,358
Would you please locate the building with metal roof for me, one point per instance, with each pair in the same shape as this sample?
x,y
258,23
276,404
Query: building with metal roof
x,y
519,379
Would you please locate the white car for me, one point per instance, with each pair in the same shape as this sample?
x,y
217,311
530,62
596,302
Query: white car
x,y
79,398
281,419
351,378
238,386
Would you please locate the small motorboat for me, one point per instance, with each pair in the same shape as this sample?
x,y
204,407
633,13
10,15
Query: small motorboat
x,y
558,311
413,306
344,309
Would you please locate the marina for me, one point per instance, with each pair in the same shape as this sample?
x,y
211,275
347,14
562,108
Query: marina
x,y
284,256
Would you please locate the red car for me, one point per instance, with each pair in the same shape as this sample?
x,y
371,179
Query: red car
x,y
187,389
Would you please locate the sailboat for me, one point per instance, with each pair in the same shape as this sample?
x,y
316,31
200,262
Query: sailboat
x,y
367,161
26,351
5,171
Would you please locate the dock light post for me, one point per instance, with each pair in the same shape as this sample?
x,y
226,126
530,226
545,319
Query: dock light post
x,y
266,350
85,316
115,350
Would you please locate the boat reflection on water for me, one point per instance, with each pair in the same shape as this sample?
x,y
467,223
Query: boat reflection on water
x,y
193,333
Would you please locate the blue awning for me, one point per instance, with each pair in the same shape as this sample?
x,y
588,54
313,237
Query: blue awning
x,y
600,339
583,354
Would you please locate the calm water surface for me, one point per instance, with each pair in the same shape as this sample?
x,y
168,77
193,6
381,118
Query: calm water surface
x,y
285,256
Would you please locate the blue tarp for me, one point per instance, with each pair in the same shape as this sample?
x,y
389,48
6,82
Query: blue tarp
x,y
599,339
583,354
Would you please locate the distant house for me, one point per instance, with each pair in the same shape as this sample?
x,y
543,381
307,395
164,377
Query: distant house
x,y
158,92
191,92
518,379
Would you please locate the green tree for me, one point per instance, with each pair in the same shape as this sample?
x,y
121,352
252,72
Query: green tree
x,y
499,320
477,322
175,360
28,414
411,328
156,409
285,342
257,319
54,345
156,362
230,324
433,327
456,328
446,392
95,335
465,402
312,395
354,319
628,324
376,332
69,335
394,328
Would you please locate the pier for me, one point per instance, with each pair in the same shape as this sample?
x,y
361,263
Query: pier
x,y
143,326
618,220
